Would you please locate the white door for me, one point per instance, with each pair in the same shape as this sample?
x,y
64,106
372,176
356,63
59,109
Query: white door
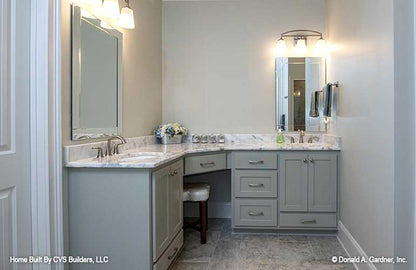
x,y
15,207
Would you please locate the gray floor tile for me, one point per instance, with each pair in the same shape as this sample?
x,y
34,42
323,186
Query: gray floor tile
x,y
239,251
190,266
232,265
325,248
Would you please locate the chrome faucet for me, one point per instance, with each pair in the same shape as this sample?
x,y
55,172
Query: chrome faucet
x,y
301,135
110,151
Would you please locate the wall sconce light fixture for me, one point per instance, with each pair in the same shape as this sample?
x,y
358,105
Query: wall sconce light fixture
x,y
300,38
111,10
127,16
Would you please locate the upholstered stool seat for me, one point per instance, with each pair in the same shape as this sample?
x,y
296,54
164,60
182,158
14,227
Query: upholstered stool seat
x,y
198,192
195,192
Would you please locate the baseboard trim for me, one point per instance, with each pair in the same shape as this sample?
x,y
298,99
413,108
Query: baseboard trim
x,y
352,248
215,209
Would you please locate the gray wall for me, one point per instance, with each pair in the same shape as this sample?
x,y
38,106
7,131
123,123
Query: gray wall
x,y
404,135
361,36
218,60
142,70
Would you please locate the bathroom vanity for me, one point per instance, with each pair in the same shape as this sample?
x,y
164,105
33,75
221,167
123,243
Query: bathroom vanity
x,y
129,207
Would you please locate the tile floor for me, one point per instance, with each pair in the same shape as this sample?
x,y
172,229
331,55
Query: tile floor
x,y
225,250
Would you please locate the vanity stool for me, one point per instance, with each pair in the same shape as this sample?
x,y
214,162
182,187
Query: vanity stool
x,y
198,192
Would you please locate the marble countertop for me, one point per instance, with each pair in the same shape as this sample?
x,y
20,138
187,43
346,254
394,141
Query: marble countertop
x,y
158,154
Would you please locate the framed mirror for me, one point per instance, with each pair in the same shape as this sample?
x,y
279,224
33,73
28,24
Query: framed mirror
x,y
298,80
96,77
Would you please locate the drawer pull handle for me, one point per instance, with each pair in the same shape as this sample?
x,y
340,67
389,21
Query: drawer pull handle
x,y
255,185
307,221
305,160
255,162
207,164
255,214
173,254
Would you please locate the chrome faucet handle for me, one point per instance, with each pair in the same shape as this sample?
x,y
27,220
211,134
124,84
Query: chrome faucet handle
x,y
310,140
292,140
99,152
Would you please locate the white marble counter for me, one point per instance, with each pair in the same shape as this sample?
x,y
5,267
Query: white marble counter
x,y
83,156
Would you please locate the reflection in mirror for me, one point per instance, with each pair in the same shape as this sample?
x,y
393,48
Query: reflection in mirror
x,y
299,83
96,77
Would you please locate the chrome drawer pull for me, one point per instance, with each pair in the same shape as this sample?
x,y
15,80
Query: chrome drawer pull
x,y
255,185
305,160
255,162
255,214
305,221
206,164
173,254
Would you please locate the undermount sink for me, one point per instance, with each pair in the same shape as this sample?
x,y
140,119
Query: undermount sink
x,y
140,156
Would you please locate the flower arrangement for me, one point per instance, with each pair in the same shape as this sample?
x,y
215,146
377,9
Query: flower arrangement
x,y
166,133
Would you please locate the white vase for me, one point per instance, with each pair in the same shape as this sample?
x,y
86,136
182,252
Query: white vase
x,y
171,140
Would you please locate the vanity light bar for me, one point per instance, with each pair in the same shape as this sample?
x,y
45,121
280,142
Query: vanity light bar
x,y
300,38
110,9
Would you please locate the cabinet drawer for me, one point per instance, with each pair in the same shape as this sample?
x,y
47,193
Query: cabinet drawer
x,y
255,160
205,163
310,220
255,183
170,253
256,213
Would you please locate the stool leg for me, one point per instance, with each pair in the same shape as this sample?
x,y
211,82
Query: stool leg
x,y
203,221
206,216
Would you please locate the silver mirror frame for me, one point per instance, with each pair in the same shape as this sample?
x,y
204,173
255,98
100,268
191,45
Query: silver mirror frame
x,y
279,62
93,133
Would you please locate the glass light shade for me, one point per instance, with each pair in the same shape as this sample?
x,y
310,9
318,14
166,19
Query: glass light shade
x,y
281,48
301,46
110,9
105,25
93,2
320,47
126,18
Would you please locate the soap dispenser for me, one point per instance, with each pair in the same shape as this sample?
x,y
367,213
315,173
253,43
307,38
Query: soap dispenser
x,y
280,138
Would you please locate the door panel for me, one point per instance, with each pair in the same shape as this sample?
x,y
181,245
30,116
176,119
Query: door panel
x,y
15,205
175,199
322,180
161,234
293,185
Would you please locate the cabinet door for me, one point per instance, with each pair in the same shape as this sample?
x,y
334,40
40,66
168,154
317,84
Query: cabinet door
x,y
161,209
175,199
293,184
322,182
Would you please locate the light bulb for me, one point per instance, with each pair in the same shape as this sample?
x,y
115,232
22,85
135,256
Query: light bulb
x,y
111,9
301,46
281,47
320,48
105,25
127,18
93,2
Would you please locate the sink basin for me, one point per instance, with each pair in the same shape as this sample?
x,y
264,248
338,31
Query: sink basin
x,y
140,156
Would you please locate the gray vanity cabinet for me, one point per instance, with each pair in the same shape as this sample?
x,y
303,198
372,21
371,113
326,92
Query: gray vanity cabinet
x,y
167,206
308,182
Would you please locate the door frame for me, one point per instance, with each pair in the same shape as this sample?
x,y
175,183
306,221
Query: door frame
x,y
45,130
